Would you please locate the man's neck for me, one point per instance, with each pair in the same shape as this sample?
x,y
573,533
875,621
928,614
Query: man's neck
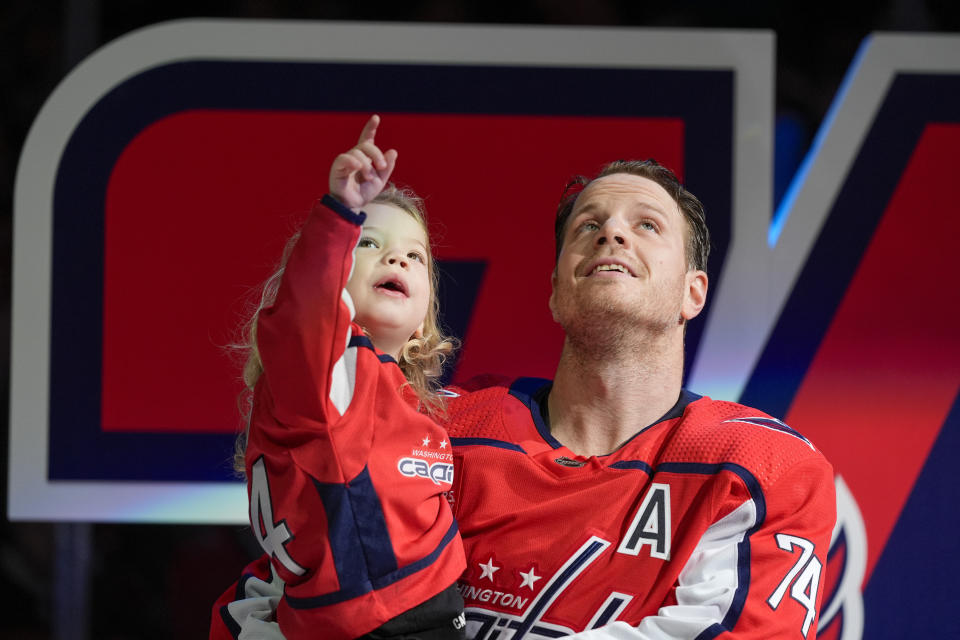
x,y
599,401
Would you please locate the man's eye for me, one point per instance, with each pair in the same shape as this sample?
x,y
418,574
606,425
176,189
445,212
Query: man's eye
x,y
649,226
366,243
589,226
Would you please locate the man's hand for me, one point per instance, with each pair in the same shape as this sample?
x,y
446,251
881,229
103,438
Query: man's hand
x,y
357,176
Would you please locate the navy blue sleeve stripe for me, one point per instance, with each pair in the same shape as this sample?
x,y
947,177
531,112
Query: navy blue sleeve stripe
x,y
357,530
743,548
232,625
344,212
241,591
375,583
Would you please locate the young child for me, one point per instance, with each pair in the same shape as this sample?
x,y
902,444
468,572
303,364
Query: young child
x,y
346,471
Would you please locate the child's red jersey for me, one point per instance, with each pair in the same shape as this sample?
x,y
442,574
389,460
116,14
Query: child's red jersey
x,y
346,478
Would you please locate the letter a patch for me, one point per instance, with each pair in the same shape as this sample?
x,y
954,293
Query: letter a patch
x,y
651,525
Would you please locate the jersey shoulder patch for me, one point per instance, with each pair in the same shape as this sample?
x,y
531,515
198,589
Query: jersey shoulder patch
x,y
774,425
717,432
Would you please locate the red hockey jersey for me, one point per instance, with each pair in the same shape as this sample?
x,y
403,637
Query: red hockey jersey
x,y
346,479
713,522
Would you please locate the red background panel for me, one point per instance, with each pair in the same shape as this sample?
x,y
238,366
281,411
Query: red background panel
x,y
200,204
888,370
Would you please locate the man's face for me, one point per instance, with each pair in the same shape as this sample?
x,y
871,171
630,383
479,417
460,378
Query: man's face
x,y
624,260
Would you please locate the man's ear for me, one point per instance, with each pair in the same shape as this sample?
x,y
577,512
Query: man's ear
x,y
553,295
695,294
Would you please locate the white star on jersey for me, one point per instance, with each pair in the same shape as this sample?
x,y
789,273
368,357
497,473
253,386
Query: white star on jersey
x,y
529,578
488,570
426,441
443,444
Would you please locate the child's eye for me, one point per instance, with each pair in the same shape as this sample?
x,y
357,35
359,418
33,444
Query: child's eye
x,y
413,255
367,243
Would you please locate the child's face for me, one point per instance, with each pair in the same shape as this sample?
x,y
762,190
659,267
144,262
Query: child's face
x,y
390,285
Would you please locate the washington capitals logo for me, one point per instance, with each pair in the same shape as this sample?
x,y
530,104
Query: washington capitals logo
x,y
435,463
488,625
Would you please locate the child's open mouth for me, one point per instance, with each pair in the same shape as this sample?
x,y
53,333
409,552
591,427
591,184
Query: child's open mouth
x,y
392,286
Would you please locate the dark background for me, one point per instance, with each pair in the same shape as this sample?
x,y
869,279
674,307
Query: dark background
x,y
158,581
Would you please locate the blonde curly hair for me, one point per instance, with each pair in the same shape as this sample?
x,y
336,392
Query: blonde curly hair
x,y
421,359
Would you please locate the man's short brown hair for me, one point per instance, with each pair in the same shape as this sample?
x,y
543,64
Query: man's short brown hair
x,y
698,237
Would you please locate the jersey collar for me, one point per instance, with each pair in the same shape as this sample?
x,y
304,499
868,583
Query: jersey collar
x,y
533,392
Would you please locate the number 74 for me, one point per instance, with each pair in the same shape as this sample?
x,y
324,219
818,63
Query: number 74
x,y
804,576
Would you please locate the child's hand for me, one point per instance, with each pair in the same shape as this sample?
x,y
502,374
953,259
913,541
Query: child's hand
x,y
357,176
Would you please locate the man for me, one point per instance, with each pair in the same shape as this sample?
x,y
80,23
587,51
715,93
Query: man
x,y
611,503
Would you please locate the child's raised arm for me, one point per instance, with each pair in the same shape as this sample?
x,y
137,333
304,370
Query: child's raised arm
x,y
302,335
359,175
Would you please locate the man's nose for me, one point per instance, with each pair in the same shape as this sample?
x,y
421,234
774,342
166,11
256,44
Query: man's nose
x,y
612,232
